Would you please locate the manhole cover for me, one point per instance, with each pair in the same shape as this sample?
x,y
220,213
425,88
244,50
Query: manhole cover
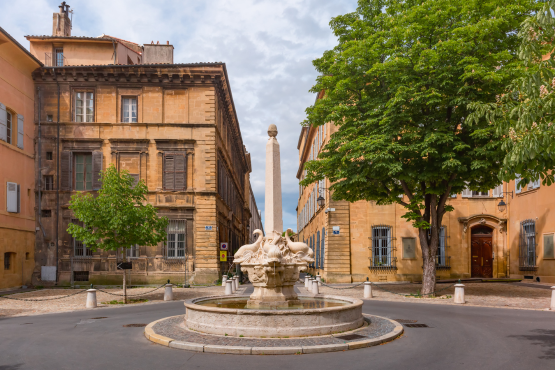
x,y
98,318
404,321
135,325
416,326
351,337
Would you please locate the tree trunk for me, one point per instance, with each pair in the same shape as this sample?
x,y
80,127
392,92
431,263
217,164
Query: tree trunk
x,y
124,287
429,272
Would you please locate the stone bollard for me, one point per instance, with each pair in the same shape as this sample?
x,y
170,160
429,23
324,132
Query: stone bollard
x,y
459,294
224,279
311,284
228,287
306,278
315,287
168,293
368,290
91,298
236,282
553,298
319,280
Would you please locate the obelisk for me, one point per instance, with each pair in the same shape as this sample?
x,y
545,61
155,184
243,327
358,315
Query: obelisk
x,y
273,208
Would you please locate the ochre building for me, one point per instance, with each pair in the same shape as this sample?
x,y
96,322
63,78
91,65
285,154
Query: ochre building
x,y
359,240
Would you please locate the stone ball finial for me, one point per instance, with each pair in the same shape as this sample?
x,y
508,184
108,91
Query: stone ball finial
x,y
272,130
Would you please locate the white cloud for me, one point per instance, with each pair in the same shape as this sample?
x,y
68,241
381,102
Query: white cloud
x,y
268,47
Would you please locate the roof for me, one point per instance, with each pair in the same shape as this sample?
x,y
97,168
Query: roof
x,y
46,37
169,65
130,42
20,46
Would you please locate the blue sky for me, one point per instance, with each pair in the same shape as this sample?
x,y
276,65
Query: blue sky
x,y
268,47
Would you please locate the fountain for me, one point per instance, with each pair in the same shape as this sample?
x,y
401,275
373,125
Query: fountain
x,y
237,323
273,264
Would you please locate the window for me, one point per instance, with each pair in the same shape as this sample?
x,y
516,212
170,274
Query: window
x,y
498,191
480,193
83,172
175,171
528,245
534,184
49,118
132,251
129,109
176,232
381,248
59,57
518,187
322,248
8,260
48,156
46,213
84,106
317,249
79,248
442,259
26,255
48,182
9,128
13,197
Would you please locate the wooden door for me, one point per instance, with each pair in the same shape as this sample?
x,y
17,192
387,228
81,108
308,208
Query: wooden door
x,y
481,256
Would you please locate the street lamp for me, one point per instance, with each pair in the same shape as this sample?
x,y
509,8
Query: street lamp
x,y
502,206
321,201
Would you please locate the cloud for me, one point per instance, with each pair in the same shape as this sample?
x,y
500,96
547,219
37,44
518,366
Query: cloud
x,y
268,47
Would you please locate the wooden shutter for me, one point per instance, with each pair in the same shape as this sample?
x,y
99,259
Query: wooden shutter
x,y
180,172
11,197
18,198
20,131
466,193
169,172
517,181
96,170
3,123
65,167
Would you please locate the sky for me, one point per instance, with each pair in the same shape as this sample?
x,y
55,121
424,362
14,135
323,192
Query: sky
x,y
267,45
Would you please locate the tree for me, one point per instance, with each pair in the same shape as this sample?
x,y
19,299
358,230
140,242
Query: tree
x,y
524,113
397,85
117,217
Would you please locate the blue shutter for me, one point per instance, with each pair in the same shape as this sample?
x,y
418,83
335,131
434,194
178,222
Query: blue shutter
x,y
318,249
323,249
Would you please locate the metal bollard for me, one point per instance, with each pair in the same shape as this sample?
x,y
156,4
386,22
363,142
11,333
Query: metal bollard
x,y
553,298
315,287
224,279
228,287
91,298
459,294
306,278
319,280
168,293
368,290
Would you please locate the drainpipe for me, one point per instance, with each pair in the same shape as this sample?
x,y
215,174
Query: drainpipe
x,y
115,53
39,172
57,178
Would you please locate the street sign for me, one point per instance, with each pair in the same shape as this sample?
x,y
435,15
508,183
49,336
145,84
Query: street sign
x,y
208,228
223,246
223,256
335,230
125,266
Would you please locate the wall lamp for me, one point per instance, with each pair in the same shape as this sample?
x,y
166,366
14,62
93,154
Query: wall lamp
x,y
502,206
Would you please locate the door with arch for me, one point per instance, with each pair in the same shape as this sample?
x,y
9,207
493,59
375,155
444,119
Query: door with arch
x,y
481,252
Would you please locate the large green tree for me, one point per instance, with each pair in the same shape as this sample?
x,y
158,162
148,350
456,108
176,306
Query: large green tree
x,y
398,86
524,113
117,217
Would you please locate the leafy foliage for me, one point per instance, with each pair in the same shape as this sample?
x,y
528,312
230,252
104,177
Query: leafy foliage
x,y
398,86
524,112
118,216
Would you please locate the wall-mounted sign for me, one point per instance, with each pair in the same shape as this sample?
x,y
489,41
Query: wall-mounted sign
x,y
223,246
125,266
223,256
335,230
208,228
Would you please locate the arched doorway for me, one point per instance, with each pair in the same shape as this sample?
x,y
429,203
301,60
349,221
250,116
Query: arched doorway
x,y
481,252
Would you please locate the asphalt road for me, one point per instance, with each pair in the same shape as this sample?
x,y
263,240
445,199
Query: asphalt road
x,y
458,338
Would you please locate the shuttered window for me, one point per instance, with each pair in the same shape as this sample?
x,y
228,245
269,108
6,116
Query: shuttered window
x,y
83,172
80,171
323,248
3,123
13,196
9,128
20,131
175,171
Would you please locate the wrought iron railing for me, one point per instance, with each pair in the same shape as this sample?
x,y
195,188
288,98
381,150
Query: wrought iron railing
x,y
443,262
527,263
383,263
55,60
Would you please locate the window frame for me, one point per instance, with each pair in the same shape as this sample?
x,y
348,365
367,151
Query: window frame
x,y
528,244
9,126
8,261
381,246
175,229
48,181
58,51
74,171
87,252
84,114
131,98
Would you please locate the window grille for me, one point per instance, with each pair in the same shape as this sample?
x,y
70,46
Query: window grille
x,y
175,245
442,260
383,257
80,250
528,246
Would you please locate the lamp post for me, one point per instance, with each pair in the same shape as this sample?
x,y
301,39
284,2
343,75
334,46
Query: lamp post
x,y
502,206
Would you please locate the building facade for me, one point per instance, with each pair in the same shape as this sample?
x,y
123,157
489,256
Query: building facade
x,y
353,241
17,201
173,126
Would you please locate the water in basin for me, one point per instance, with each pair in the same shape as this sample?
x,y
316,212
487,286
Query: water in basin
x,y
241,303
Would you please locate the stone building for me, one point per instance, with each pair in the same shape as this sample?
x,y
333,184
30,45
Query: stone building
x,y
17,201
256,218
173,126
480,238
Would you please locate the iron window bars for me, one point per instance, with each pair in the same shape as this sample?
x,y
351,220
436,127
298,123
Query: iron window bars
x,y
527,258
383,251
80,250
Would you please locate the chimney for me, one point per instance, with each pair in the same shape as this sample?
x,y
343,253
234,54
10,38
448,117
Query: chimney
x,y
157,53
61,24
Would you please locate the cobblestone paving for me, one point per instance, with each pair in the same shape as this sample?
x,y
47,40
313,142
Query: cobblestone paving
x,y
173,328
10,307
507,295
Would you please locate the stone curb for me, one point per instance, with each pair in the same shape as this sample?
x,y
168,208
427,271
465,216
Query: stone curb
x,y
243,350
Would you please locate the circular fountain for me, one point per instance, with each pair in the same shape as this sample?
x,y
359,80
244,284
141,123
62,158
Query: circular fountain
x,y
274,309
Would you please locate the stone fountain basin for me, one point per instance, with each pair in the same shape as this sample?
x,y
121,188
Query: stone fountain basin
x,y
277,323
